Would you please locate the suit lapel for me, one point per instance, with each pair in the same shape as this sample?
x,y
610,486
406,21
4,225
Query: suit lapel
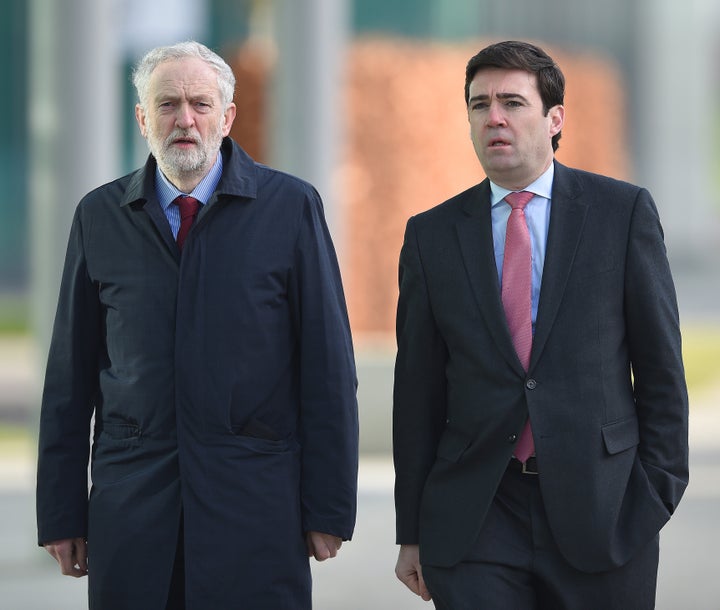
x,y
567,218
474,231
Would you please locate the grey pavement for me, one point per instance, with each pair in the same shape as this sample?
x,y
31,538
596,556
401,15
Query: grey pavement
x,y
361,577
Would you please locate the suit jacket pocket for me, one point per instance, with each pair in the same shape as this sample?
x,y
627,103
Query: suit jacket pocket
x,y
452,445
621,435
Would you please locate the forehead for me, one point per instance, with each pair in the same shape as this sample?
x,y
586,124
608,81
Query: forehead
x,y
189,75
493,81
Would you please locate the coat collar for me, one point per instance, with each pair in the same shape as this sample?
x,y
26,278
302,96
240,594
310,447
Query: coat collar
x,y
238,178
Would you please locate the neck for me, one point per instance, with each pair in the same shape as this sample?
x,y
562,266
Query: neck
x,y
519,182
185,182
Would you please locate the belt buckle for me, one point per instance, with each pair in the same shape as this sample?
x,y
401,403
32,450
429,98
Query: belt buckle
x,y
525,468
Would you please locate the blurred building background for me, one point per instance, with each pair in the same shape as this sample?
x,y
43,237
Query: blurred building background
x,y
364,98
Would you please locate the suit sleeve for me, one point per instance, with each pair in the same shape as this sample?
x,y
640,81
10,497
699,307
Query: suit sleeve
x,y
656,354
419,395
328,382
67,402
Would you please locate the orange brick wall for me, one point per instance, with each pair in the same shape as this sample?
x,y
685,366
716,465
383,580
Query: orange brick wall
x,y
408,147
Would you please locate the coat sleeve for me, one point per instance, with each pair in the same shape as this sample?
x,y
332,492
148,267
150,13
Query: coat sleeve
x,y
419,394
328,382
656,354
67,401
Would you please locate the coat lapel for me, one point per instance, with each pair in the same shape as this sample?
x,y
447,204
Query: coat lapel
x,y
567,218
474,232
140,193
239,178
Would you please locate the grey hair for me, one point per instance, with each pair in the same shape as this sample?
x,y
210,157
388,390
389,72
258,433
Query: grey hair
x,y
144,68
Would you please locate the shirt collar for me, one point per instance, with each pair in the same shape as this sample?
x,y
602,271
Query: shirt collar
x,y
541,187
167,191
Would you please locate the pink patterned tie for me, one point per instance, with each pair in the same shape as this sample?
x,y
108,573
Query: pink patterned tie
x,y
516,296
188,211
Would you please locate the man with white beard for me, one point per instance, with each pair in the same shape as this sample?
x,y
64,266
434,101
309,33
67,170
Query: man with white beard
x,y
202,322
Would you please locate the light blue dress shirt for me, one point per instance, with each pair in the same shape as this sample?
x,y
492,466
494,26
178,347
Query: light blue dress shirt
x,y
167,192
537,214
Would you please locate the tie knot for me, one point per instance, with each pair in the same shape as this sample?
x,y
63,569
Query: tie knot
x,y
188,206
519,200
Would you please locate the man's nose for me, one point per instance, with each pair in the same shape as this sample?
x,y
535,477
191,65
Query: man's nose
x,y
184,117
495,115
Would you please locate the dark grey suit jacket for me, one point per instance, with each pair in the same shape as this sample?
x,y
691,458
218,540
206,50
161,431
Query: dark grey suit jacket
x,y
605,390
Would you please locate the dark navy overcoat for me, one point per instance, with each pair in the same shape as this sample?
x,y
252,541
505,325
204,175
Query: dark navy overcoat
x,y
218,387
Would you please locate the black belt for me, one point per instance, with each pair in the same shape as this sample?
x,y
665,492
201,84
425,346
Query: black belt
x,y
529,467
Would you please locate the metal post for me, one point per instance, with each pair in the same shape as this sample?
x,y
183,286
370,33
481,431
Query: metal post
x,y
74,126
673,92
307,99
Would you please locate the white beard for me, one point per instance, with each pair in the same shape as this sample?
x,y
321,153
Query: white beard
x,y
174,161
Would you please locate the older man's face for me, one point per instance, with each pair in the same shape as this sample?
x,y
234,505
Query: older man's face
x,y
184,119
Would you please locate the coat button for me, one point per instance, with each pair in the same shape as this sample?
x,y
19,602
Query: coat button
x,y
531,384
512,438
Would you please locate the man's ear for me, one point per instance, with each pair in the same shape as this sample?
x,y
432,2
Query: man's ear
x,y
557,119
229,117
140,118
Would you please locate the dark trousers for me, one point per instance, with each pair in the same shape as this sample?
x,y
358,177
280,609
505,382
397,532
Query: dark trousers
x,y
176,594
515,565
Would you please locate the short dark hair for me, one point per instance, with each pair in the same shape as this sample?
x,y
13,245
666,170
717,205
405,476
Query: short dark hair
x,y
516,55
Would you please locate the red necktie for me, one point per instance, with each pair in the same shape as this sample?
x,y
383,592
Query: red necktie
x,y
517,295
189,207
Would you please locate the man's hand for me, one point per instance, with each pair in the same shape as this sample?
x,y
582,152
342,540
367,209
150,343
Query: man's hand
x,y
322,546
409,571
71,554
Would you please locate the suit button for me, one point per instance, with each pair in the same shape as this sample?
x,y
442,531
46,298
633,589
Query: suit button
x,y
512,438
531,384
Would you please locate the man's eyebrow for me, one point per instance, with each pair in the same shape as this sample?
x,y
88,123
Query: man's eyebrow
x,y
164,96
500,96
510,96
477,98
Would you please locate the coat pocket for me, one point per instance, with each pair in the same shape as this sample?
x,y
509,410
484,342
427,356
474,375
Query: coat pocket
x,y
254,428
621,435
123,431
119,436
261,438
